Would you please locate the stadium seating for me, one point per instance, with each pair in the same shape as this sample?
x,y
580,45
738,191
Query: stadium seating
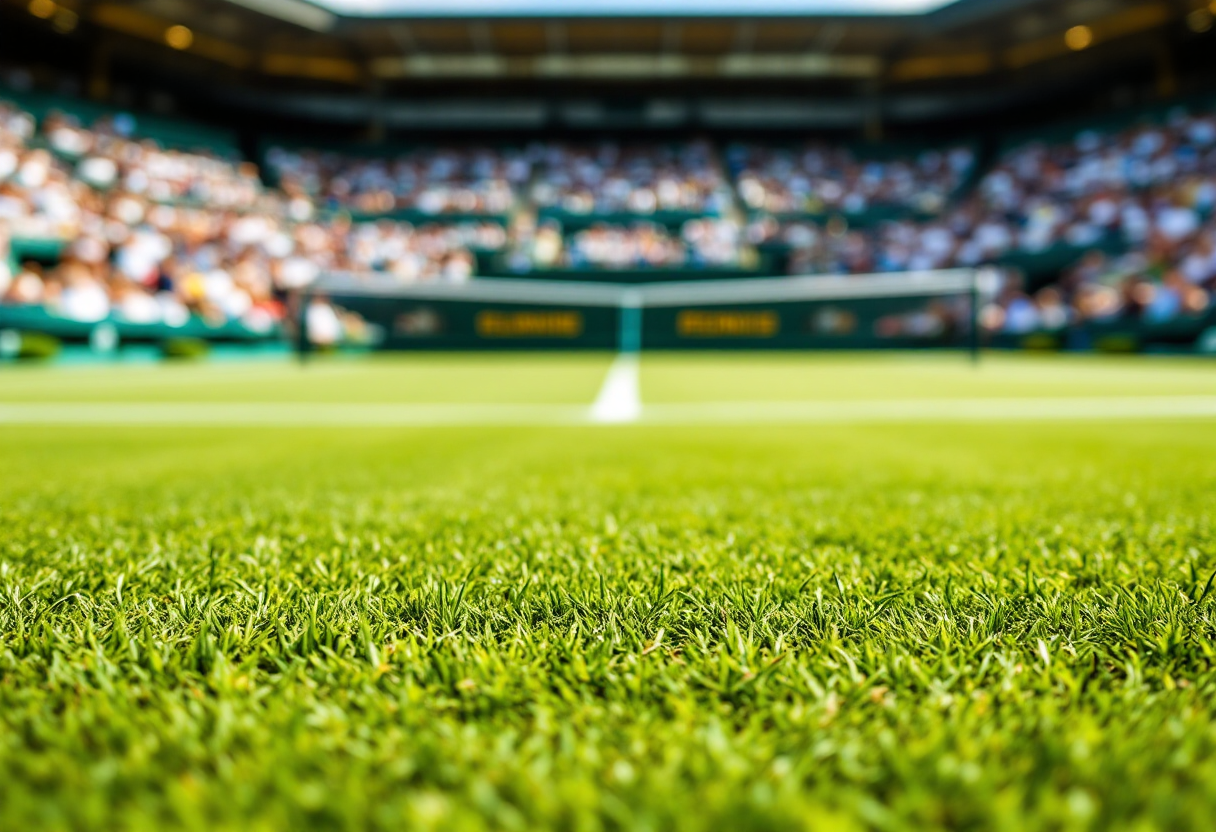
x,y
111,219
819,180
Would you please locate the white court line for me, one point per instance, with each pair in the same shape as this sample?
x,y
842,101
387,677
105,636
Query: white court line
x,y
706,413
620,398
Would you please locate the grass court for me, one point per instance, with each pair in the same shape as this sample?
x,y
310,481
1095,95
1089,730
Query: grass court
x,y
801,623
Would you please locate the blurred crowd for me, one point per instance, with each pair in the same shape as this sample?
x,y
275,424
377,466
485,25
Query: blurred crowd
x,y
706,243
158,235
818,179
632,179
1146,192
1133,209
432,182
608,178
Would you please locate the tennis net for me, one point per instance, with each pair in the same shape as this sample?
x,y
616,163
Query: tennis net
x,y
914,309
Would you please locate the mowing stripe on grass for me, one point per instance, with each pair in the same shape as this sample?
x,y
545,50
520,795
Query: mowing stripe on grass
x,y
616,410
934,410
300,414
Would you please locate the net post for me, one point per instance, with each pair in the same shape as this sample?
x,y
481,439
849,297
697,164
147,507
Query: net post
x,y
974,346
629,339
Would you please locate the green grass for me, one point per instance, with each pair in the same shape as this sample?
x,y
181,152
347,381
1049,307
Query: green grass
x,y
818,377
574,379
429,378
1005,626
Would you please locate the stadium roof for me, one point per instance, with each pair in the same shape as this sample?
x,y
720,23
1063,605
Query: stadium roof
x,y
629,8
489,64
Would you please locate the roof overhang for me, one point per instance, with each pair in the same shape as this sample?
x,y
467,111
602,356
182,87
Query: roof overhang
x,y
481,9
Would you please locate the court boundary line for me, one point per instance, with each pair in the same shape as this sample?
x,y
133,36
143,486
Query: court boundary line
x,y
620,398
886,411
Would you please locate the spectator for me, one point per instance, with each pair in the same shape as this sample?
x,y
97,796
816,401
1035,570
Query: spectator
x,y
818,179
635,179
324,324
433,182
158,235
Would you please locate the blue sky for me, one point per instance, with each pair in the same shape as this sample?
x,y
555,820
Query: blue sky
x,y
644,8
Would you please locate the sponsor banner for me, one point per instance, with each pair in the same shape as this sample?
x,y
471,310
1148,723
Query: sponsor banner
x,y
438,324
715,323
530,324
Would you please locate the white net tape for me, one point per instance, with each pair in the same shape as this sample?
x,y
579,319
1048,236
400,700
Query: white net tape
x,y
676,293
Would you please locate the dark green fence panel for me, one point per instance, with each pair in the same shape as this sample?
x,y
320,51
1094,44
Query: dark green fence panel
x,y
879,311
437,324
860,323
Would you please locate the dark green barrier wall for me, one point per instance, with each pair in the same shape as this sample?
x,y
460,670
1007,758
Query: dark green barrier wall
x,y
855,324
417,324
434,324
1180,334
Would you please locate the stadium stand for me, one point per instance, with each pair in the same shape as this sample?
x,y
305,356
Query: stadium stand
x,y
102,222
817,180
421,182
104,225
636,180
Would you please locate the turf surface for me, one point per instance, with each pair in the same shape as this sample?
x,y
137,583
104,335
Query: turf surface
x,y
1000,626
785,377
436,378
574,379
